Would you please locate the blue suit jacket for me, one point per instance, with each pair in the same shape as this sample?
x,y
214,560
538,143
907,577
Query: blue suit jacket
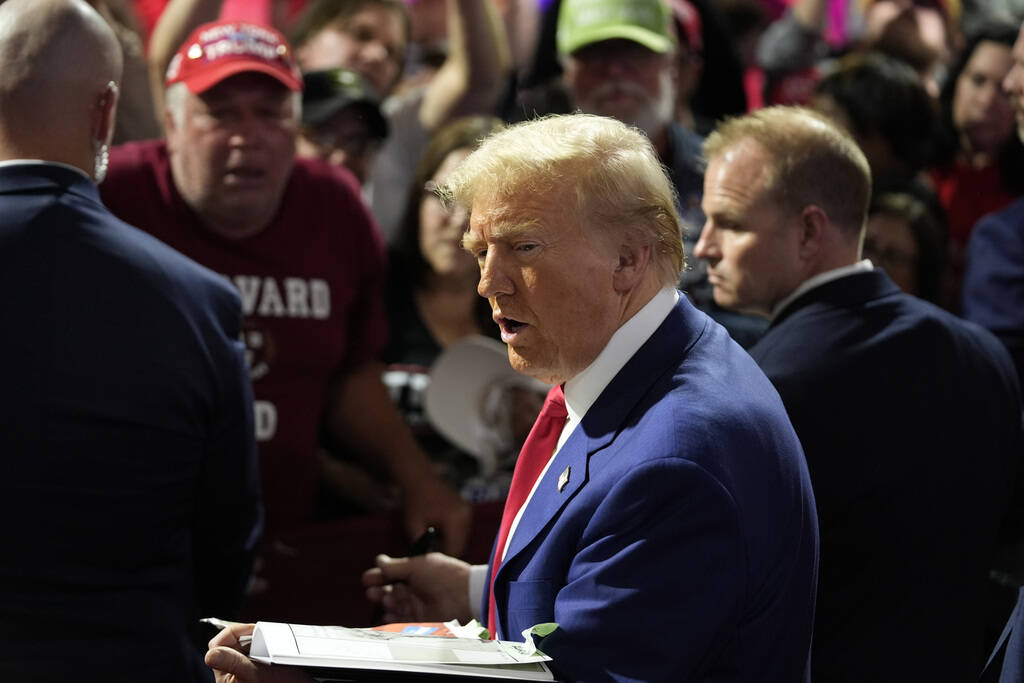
x,y
911,422
129,497
684,546
1006,662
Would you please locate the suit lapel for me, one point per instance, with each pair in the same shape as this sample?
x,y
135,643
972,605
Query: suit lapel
x,y
605,419
547,500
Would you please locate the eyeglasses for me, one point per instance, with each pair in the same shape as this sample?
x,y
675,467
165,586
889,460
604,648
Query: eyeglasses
x,y
327,140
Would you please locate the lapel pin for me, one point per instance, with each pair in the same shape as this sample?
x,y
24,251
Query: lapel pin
x,y
563,479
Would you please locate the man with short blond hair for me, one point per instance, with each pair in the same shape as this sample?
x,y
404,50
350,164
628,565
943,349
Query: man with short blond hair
x,y
912,479
824,168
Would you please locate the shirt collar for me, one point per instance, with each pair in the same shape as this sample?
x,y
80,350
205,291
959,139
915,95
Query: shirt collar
x,y
26,162
818,280
582,390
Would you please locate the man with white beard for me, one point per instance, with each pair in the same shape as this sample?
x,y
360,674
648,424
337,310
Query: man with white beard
x,y
618,60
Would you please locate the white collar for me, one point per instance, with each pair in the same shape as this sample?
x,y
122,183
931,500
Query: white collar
x,y
17,162
582,390
810,283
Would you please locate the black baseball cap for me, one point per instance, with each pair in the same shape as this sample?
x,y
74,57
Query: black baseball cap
x,y
328,91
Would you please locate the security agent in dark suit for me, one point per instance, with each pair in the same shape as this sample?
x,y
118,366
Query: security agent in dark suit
x,y
910,418
129,496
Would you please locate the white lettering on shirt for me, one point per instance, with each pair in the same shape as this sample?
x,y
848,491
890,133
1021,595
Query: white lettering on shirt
x,y
271,304
289,297
321,299
298,297
265,416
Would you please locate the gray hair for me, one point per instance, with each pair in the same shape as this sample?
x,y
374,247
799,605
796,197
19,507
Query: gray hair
x,y
177,93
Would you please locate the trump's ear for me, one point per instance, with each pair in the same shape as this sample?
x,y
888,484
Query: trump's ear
x,y
634,260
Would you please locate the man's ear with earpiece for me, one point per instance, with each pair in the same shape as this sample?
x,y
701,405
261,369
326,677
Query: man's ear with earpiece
x,y
105,114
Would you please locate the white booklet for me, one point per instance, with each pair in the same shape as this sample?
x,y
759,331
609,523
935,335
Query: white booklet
x,y
372,650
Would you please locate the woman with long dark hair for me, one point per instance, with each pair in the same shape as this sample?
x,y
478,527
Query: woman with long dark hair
x,y
981,168
432,299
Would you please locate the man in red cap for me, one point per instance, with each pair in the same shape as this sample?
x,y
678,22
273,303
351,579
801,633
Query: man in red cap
x,y
297,241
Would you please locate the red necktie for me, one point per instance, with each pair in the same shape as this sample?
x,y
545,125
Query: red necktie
x,y
533,456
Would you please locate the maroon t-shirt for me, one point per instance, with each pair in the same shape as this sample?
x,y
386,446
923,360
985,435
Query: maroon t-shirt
x,y
311,285
967,194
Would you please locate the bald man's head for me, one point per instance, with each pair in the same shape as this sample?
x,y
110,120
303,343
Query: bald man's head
x,y
58,59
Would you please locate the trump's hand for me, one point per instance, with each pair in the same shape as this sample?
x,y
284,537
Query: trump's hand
x,y
431,502
432,587
230,664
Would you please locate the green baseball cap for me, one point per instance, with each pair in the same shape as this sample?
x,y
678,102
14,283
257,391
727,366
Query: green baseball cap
x,y
582,22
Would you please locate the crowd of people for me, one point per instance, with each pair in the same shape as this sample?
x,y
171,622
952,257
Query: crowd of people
x,y
766,261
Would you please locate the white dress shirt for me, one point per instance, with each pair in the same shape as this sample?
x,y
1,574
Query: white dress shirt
x,y
581,392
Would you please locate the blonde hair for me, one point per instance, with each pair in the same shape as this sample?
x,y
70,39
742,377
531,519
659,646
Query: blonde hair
x,y
611,170
813,161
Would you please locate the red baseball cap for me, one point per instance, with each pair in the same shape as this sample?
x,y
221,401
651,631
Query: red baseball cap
x,y
220,49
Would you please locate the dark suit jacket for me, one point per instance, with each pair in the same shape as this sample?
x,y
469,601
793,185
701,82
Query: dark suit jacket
x,y
129,499
684,545
910,419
